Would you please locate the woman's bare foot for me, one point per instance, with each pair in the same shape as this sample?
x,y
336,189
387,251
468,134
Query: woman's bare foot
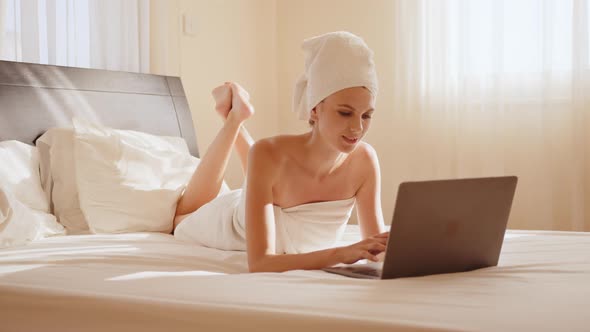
x,y
223,99
241,109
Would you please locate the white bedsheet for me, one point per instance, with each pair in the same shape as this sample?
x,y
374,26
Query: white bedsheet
x,y
153,282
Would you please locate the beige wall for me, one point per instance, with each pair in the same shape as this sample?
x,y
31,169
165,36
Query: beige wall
x,y
165,37
233,40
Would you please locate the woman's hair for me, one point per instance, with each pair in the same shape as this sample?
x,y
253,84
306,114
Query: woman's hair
x,y
311,122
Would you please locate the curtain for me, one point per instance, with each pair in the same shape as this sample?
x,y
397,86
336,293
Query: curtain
x,y
498,87
103,34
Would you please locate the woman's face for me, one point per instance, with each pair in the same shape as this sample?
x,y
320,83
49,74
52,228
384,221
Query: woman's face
x,y
343,118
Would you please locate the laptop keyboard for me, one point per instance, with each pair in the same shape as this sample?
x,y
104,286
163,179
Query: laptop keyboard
x,y
367,271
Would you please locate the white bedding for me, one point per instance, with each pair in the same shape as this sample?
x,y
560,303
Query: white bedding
x,y
153,282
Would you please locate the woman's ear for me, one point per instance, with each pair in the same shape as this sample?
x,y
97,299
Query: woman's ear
x,y
313,115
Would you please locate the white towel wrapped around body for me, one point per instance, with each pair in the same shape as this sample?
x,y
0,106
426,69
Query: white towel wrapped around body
x,y
304,228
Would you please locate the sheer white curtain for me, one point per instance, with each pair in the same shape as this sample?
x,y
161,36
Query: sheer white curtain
x,y
104,34
494,87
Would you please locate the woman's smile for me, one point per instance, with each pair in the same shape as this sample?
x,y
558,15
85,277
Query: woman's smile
x,y
350,140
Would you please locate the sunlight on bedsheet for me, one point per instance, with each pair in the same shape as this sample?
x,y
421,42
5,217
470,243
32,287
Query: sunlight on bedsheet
x,y
513,235
124,236
68,251
159,274
8,269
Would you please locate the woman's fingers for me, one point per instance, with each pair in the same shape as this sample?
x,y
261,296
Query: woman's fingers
x,y
382,235
376,248
380,246
369,256
372,240
371,250
368,248
380,240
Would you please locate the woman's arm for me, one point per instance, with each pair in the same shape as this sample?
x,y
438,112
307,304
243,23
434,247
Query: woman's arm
x,y
260,222
368,197
263,170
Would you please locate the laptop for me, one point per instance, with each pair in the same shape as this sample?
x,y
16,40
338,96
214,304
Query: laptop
x,y
442,226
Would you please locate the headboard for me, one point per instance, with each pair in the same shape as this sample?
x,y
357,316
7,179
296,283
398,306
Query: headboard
x,y
34,98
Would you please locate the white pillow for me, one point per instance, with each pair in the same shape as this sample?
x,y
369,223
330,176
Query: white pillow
x,y
20,224
19,174
58,177
129,181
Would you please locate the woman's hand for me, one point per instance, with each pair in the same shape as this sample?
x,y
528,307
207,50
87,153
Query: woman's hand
x,y
368,248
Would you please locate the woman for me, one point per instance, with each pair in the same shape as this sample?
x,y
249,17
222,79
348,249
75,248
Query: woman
x,y
299,189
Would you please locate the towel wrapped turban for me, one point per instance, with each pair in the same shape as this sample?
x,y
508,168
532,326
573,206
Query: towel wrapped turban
x,y
333,61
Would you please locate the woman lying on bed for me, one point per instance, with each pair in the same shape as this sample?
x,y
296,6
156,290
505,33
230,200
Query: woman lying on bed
x,y
299,189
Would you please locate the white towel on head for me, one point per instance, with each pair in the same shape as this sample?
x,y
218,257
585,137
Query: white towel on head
x,y
333,61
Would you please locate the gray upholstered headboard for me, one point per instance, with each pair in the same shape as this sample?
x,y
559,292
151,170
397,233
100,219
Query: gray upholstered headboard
x,y
34,98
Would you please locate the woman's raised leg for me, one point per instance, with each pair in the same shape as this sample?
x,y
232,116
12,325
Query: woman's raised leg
x,y
206,181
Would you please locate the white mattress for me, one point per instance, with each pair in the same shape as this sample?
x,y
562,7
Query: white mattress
x,y
153,282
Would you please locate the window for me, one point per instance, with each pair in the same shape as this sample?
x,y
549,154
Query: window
x,y
486,37
105,34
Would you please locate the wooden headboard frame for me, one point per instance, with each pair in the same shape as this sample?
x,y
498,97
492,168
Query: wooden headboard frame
x,y
34,98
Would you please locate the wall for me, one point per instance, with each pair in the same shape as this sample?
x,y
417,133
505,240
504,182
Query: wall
x,y
232,41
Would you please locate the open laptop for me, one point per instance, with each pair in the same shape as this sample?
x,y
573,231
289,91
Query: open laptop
x,y
442,226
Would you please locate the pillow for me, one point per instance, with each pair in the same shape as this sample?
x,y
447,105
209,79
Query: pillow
x,y
19,174
20,224
130,181
58,178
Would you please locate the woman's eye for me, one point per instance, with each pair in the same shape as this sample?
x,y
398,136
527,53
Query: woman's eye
x,y
366,116
345,113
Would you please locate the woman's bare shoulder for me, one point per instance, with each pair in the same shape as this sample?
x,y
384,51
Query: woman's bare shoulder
x,y
365,160
366,151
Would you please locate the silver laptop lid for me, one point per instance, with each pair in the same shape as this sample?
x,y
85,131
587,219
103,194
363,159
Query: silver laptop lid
x,y
448,226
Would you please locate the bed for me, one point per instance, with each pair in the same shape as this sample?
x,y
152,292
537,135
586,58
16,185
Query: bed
x,y
146,281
